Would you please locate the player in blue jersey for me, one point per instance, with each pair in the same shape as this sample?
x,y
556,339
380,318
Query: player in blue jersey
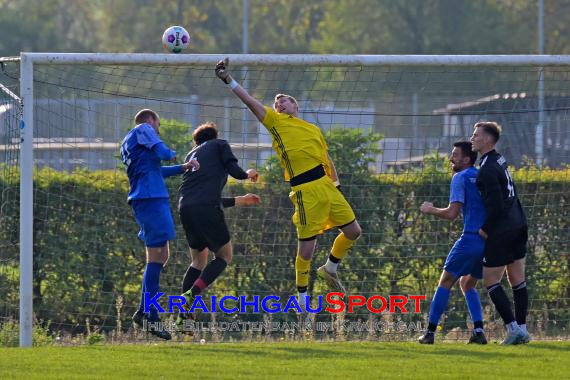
x,y
465,260
142,151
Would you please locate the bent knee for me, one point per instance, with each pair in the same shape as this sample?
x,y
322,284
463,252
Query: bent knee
x,y
354,232
467,286
225,253
199,263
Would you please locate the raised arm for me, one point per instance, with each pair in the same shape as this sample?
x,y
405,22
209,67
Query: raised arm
x,y
253,104
163,152
449,213
248,199
168,171
231,164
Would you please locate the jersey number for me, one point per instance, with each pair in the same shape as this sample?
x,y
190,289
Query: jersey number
x,y
125,155
510,185
193,156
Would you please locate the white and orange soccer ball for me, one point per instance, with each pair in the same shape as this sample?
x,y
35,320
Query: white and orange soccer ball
x,y
175,39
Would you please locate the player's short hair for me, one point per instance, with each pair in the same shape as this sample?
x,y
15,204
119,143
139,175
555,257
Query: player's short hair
x,y
492,128
467,150
205,132
292,99
144,114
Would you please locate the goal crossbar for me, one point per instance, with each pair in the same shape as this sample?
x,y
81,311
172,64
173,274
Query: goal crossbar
x,y
297,59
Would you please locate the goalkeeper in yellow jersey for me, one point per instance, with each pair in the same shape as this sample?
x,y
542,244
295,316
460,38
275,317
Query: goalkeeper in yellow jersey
x,y
315,189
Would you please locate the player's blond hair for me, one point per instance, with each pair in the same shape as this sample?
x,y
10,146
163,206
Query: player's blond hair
x,y
492,128
292,99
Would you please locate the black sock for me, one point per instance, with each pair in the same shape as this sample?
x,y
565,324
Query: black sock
x,y
334,259
190,277
431,328
209,275
478,325
520,296
502,303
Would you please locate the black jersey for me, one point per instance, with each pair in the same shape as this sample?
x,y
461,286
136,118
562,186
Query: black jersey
x,y
204,186
499,194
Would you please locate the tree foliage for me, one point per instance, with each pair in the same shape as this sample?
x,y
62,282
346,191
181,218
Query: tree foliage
x,y
295,26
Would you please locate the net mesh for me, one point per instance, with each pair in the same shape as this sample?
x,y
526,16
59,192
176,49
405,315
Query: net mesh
x,y
10,114
389,129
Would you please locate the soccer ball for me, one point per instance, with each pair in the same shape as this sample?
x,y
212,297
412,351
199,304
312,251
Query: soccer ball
x,y
175,39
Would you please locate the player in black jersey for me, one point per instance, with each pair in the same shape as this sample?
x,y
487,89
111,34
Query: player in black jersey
x,y
505,231
201,208
200,258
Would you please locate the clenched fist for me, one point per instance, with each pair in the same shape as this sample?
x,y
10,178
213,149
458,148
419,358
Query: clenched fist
x,y
253,175
222,71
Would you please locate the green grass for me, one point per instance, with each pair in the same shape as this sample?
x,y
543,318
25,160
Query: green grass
x,y
348,360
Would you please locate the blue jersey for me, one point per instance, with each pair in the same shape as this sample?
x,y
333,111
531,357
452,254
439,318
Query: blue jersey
x,y
464,190
141,151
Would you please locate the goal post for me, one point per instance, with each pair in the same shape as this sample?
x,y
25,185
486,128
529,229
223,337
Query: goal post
x,y
346,90
26,200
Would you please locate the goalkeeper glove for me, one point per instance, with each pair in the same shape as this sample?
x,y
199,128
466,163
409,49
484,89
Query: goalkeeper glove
x,y
222,71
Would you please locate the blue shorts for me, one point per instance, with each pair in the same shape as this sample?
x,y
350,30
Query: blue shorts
x,y
466,256
155,221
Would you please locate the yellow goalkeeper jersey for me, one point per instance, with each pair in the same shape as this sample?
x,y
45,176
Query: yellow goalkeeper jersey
x,y
299,145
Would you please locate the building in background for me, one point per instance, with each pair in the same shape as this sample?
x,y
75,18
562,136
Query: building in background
x,y
518,114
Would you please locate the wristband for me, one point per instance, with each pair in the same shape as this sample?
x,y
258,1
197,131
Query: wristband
x,y
233,84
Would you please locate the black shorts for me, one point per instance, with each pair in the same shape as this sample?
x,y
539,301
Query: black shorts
x,y
506,247
205,226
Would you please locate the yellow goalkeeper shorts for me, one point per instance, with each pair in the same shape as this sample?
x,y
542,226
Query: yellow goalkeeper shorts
x,y
319,206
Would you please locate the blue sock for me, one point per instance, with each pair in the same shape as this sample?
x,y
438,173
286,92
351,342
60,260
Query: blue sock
x,y
141,306
474,305
438,304
151,281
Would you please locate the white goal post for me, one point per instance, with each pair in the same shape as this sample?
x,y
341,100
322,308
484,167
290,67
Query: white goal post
x,y
28,61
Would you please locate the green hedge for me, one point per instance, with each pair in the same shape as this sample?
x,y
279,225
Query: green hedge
x,y
87,256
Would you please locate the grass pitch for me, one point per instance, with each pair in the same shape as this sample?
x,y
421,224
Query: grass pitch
x,y
346,360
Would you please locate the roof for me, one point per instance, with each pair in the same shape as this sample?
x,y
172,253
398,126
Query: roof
x,y
454,107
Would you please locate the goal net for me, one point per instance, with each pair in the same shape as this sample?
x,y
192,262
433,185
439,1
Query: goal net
x,y
390,123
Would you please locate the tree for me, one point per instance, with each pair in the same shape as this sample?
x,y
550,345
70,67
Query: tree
x,y
353,150
177,136
426,27
294,26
